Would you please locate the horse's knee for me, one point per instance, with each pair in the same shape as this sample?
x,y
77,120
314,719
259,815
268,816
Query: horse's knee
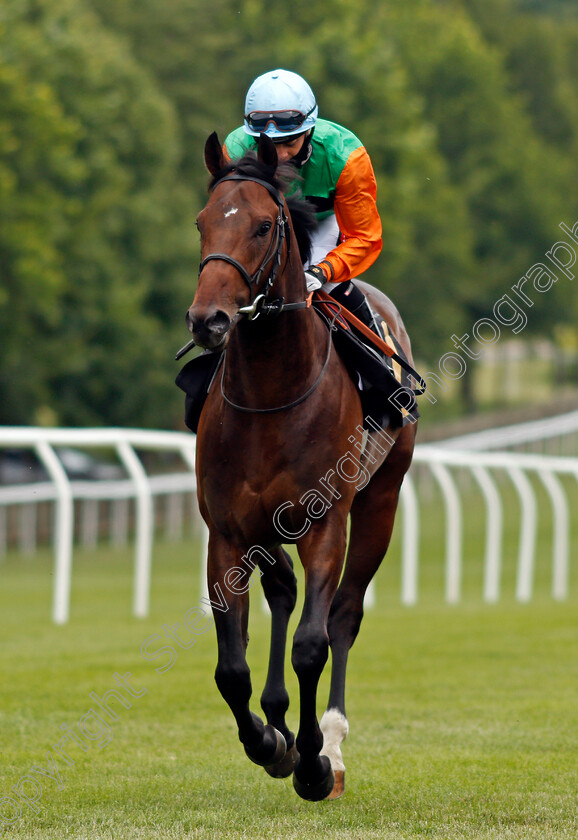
x,y
291,592
310,651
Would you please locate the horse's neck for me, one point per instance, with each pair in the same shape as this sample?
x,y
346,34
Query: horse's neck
x,y
274,356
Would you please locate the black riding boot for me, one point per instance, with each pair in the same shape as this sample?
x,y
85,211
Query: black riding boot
x,y
353,299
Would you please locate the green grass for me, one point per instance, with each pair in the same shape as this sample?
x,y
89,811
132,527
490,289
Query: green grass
x,y
464,720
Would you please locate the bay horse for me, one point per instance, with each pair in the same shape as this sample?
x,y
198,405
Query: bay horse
x,y
283,415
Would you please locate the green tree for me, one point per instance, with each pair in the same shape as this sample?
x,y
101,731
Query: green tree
x,y
38,175
467,197
513,190
469,109
101,323
197,53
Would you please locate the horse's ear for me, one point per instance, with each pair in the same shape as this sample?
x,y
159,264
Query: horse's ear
x,y
214,157
266,151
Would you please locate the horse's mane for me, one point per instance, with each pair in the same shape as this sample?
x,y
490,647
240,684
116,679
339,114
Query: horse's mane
x,y
281,178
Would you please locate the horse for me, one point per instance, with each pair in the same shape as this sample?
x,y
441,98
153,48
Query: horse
x,y
283,458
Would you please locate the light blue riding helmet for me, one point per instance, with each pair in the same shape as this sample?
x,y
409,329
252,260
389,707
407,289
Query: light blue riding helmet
x,y
280,104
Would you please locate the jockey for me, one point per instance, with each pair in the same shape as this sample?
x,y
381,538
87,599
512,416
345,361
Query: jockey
x,y
337,178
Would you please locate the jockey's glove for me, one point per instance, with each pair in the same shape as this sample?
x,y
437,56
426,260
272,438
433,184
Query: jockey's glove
x,y
315,277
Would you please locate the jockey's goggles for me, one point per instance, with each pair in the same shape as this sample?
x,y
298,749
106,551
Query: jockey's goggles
x,y
284,120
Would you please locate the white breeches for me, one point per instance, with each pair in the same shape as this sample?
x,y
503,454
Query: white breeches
x,y
324,240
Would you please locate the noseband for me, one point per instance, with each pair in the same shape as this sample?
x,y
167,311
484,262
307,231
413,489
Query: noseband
x,y
273,252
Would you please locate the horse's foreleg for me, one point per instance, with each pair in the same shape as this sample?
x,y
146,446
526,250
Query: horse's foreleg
x,y
280,588
263,744
322,556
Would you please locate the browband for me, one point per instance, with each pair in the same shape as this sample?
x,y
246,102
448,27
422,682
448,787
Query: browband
x,y
274,192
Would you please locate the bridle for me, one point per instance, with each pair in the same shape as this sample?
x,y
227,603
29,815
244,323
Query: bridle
x,y
259,302
259,305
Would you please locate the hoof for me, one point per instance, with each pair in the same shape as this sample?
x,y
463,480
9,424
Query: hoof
x,y
315,791
271,750
338,785
282,769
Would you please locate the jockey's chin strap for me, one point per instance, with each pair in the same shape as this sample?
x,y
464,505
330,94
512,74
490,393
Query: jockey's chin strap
x,y
259,304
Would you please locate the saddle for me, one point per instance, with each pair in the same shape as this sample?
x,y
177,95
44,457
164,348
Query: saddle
x,y
385,383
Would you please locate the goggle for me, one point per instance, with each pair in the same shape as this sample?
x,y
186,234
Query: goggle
x,y
284,120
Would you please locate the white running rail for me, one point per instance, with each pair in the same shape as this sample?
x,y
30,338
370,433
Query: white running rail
x,y
63,492
520,434
483,466
441,461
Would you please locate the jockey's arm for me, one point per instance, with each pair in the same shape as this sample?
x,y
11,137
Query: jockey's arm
x,y
358,219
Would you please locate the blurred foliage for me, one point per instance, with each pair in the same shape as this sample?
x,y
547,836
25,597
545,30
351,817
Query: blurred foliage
x,y
469,109
95,227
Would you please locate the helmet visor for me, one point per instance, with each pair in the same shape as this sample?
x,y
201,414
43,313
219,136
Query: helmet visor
x,y
283,120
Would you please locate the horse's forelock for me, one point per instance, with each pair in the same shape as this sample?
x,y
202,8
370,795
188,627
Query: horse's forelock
x,y
250,167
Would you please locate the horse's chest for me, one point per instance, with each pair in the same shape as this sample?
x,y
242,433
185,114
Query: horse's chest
x,y
239,468
247,480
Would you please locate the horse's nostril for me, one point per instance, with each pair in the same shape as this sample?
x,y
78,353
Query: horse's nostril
x,y
208,329
219,322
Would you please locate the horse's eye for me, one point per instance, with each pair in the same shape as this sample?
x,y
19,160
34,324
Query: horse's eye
x,y
197,224
264,229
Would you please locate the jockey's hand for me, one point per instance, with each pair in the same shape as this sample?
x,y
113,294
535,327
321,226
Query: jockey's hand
x,y
315,278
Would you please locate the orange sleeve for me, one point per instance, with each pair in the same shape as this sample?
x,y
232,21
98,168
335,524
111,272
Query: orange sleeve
x,y
358,219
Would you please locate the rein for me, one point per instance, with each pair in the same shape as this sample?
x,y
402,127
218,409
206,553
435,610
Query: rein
x,y
287,406
374,339
260,305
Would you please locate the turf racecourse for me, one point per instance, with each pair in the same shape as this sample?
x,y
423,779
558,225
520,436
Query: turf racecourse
x,y
464,720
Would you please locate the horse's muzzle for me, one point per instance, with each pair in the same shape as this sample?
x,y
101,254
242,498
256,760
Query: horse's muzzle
x,y
209,329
